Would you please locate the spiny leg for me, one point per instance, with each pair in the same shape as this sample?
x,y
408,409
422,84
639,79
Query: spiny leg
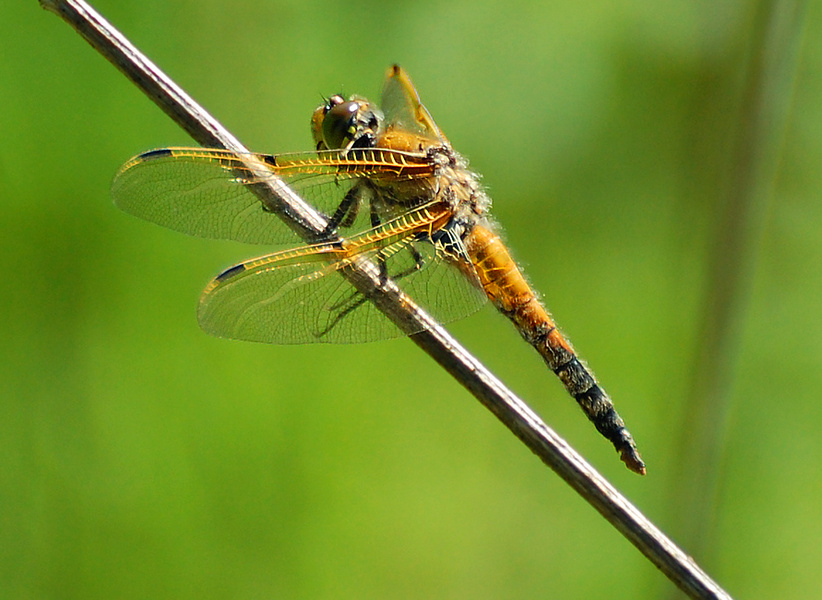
x,y
355,299
345,215
346,212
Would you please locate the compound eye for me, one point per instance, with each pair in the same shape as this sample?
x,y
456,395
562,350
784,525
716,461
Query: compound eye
x,y
318,118
341,124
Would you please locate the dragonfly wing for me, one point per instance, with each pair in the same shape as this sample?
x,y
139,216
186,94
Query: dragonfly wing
x,y
205,192
193,191
275,298
403,108
302,295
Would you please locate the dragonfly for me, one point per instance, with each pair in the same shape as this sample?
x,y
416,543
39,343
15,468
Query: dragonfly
x,y
392,191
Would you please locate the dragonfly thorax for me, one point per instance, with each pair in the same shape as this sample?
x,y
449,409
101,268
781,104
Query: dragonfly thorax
x,y
459,186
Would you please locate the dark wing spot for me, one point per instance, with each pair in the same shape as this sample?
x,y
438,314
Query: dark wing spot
x,y
228,273
159,153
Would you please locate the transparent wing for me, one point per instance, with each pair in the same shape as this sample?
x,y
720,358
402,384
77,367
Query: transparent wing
x,y
205,192
302,296
403,108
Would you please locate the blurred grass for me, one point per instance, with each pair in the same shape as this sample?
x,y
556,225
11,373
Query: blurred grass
x,y
142,458
757,134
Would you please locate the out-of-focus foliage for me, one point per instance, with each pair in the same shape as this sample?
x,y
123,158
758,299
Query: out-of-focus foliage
x,y
144,459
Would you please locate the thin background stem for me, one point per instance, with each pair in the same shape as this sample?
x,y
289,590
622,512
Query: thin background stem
x,y
514,413
773,57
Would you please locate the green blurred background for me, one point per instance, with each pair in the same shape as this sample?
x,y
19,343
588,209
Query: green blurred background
x,y
656,168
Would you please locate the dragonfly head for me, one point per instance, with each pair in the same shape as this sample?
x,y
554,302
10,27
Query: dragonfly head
x,y
344,124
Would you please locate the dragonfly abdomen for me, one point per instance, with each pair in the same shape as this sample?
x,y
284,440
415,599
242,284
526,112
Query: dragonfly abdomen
x,y
506,287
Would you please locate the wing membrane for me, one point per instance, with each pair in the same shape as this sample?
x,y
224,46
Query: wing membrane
x,y
302,296
403,108
205,192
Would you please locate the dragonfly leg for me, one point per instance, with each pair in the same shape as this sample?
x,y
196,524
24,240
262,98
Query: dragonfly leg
x,y
419,261
346,212
355,299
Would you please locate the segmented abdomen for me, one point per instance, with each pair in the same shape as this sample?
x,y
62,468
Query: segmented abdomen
x,y
506,287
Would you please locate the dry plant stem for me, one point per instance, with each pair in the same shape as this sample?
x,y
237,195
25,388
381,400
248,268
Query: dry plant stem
x,y
520,419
